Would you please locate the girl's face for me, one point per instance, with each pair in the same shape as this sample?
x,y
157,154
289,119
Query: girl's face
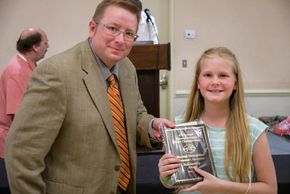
x,y
216,80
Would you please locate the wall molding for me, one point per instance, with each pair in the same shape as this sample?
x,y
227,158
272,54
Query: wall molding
x,y
248,92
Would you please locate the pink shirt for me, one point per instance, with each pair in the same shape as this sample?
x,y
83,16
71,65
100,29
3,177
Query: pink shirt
x,y
13,83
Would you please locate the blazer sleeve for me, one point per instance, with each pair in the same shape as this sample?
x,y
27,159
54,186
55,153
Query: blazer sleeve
x,y
34,130
143,121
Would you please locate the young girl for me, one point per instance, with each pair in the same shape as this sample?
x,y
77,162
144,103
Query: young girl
x,y
238,141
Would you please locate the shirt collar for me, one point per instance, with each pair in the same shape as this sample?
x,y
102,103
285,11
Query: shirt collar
x,y
106,72
31,65
22,57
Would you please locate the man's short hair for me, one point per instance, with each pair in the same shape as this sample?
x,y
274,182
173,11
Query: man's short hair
x,y
25,44
138,4
129,5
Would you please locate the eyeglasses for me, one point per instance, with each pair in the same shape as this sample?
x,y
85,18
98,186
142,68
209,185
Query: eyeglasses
x,y
114,31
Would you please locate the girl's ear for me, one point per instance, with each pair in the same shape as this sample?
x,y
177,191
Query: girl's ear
x,y
235,86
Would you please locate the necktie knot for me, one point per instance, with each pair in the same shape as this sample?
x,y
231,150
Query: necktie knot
x,y
112,80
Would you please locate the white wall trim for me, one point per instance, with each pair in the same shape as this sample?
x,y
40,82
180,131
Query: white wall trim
x,y
248,92
267,92
182,93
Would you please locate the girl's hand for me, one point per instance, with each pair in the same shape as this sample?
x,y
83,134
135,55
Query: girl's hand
x,y
168,164
210,183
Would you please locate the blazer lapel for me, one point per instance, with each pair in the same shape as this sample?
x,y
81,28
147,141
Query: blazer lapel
x,y
95,85
126,85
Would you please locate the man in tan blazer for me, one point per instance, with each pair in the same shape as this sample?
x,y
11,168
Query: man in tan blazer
x,y
63,140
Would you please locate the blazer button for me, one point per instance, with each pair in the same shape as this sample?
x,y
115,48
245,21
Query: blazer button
x,y
117,168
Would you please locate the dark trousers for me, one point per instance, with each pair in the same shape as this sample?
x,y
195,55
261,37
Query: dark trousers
x,y
4,186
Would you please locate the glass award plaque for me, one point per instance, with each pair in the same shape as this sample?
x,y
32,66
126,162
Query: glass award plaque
x,y
189,143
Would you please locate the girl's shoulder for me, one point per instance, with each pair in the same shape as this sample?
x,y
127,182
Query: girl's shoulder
x,y
256,123
256,126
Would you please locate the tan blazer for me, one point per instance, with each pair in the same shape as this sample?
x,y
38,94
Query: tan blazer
x,y
62,140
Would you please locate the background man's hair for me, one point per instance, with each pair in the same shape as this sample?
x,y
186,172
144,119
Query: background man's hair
x,y
25,44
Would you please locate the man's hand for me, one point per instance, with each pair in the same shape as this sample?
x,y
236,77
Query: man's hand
x,y
156,127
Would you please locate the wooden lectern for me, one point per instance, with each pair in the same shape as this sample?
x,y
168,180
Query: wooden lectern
x,y
148,60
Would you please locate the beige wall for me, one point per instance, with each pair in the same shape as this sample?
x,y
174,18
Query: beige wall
x,y
160,10
65,22
258,31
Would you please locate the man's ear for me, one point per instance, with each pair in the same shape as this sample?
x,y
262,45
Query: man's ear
x,y
92,28
34,48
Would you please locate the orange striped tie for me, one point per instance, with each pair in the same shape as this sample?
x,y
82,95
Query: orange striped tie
x,y
118,117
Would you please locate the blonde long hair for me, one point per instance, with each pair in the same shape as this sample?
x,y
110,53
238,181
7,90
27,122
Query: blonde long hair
x,y
237,147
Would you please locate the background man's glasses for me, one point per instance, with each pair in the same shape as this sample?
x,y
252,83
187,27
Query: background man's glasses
x,y
114,31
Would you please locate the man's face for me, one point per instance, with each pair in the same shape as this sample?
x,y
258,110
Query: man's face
x,y
112,48
41,49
